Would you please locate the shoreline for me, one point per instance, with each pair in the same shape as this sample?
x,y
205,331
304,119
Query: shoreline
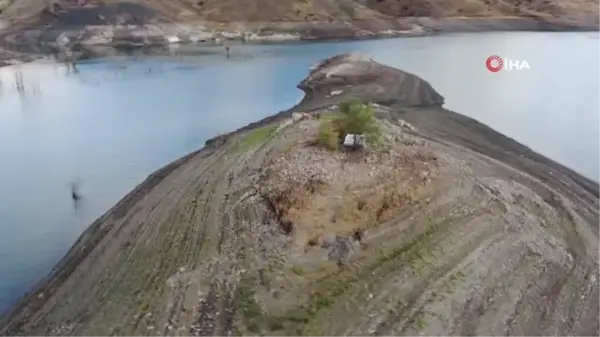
x,y
25,45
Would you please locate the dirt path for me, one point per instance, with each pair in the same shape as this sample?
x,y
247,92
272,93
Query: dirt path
x,y
464,232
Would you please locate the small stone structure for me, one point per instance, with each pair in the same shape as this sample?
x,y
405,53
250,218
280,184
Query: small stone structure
x,y
354,142
340,249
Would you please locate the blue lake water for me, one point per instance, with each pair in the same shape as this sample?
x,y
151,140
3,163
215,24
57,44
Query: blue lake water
x,y
112,122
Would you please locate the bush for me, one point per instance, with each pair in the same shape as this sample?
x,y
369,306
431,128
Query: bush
x,y
358,118
4,4
355,117
328,136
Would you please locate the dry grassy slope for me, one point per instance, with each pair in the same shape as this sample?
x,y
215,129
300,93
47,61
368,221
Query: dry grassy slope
x,y
226,10
441,8
455,242
294,10
308,10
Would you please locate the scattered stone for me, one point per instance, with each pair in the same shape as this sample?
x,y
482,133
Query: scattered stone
x,y
340,249
354,142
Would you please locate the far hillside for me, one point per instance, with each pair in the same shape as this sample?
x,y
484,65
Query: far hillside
x,y
233,11
477,8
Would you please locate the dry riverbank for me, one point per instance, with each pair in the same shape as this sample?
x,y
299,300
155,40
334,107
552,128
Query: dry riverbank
x,y
97,40
464,231
83,26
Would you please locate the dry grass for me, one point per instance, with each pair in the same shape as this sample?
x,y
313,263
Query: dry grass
x,y
316,192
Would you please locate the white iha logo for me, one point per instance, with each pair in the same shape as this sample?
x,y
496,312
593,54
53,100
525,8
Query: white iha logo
x,y
496,63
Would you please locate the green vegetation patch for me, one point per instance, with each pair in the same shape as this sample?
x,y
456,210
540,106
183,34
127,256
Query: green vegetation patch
x,y
256,137
255,319
333,287
328,137
4,4
354,117
311,316
249,308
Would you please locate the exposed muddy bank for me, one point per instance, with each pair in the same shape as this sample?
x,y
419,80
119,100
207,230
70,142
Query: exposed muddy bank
x,y
95,40
485,237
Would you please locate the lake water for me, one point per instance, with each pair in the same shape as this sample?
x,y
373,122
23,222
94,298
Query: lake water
x,y
110,123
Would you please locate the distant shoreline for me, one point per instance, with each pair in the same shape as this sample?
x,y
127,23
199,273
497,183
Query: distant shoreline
x,y
19,45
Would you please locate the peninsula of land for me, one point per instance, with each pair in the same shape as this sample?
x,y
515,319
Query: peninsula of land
x,y
439,225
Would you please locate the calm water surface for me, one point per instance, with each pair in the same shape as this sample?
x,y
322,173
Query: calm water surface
x,y
110,123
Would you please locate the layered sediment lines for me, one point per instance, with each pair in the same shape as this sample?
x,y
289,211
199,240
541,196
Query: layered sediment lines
x,y
72,30
462,231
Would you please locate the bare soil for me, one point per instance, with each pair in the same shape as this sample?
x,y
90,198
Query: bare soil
x,y
447,228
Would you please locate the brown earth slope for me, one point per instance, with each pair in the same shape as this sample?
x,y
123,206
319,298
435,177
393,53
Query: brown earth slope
x,y
488,8
34,28
305,10
209,10
445,228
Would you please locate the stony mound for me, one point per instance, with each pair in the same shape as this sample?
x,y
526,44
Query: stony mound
x,y
445,227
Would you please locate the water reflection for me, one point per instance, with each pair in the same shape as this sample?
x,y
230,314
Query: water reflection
x,y
76,194
123,69
71,69
120,68
12,79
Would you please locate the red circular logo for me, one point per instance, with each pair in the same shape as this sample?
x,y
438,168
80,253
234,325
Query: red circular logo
x,y
494,63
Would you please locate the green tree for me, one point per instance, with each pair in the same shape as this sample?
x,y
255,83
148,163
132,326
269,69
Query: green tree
x,y
354,117
358,118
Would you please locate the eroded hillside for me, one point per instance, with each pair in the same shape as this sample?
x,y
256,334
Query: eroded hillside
x,y
200,10
477,8
444,227
234,11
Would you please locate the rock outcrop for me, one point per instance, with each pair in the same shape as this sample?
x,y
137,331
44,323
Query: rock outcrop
x,y
446,228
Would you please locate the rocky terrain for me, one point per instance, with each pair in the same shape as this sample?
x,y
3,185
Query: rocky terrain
x,y
446,227
40,27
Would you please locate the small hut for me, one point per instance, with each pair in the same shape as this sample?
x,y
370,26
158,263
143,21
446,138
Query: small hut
x,y
354,141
